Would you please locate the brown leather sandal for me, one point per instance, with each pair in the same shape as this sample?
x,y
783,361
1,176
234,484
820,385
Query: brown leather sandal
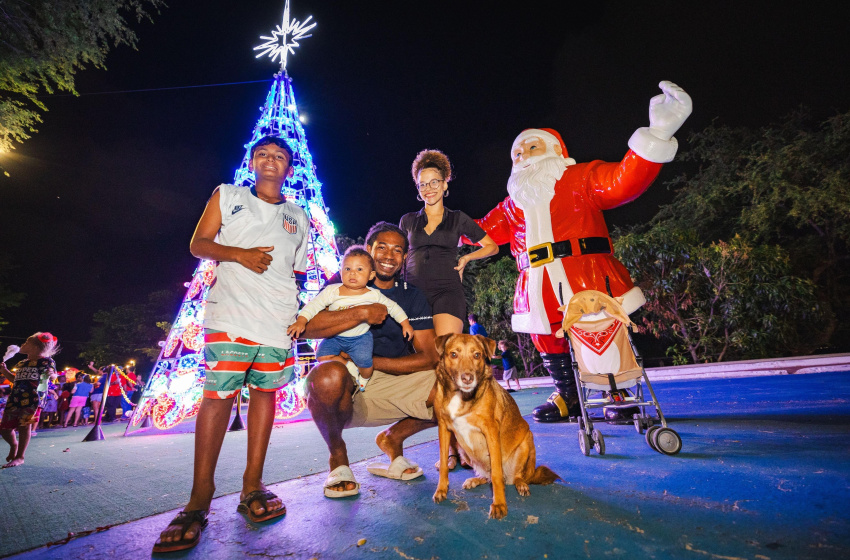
x,y
184,519
262,496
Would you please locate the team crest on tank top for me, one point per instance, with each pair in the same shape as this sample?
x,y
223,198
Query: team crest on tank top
x,y
290,224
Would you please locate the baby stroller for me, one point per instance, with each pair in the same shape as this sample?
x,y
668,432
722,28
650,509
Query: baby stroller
x,y
609,373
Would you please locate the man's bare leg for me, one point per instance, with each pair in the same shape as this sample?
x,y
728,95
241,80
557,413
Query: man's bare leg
x,y
329,390
260,423
210,429
391,440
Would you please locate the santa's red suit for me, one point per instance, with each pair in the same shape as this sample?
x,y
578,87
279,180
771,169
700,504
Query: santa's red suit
x,y
553,220
573,216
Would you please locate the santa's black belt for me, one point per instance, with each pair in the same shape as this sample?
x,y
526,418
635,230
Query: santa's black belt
x,y
548,252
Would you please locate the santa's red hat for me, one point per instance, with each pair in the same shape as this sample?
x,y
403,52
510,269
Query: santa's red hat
x,y
548,135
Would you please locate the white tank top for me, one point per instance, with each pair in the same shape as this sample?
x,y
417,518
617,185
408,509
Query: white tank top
x,y
258,307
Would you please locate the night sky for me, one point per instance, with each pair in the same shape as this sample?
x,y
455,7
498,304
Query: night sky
x,y
102,201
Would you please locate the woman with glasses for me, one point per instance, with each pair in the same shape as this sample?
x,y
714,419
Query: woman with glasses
x,y
433,234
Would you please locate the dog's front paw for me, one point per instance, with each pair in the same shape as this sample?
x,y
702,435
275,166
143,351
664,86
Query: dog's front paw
x,y
440,494
498,511
522,488
474,482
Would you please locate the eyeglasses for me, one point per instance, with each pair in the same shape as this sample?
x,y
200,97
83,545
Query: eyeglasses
x,y
431,185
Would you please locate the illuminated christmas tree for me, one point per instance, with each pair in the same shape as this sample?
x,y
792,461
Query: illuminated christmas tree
x,y
174,390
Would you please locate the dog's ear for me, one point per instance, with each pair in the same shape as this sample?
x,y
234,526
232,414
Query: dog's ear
x,y
489,345
440,342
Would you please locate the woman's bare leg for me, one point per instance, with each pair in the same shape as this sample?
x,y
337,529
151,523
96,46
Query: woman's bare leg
x,y
447,324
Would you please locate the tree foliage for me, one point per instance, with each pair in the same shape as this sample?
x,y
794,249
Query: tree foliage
x,y
491,298
750,258
719,300
131,331
343,242
786,184
44,42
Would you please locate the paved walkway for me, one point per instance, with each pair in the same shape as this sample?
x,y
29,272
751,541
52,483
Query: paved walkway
x,y
763,475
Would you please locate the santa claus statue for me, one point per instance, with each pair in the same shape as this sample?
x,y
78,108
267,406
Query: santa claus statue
x,y
553,220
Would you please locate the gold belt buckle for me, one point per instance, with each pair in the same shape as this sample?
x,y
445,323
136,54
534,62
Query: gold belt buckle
x,y
534,260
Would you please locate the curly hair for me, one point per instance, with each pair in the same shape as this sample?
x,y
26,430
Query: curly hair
x,y
381,227
359,251
432,159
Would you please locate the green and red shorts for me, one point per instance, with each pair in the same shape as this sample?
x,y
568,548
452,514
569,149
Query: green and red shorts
x,y
233,361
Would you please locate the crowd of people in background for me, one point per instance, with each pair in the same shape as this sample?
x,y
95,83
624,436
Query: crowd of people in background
x,y
74,398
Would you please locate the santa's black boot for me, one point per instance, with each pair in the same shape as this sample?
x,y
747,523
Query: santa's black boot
x,y
563,403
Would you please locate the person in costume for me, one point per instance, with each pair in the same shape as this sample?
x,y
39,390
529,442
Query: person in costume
x,y
553,220
433,234
29,385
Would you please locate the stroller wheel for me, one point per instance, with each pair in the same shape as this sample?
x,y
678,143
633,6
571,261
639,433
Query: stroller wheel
x,y
598,441
584,442
648,435
667,441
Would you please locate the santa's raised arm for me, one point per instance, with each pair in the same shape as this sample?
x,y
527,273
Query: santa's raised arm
x,y
553,221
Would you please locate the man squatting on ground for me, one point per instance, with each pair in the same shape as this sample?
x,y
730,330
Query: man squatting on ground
x,y
261,246
401,390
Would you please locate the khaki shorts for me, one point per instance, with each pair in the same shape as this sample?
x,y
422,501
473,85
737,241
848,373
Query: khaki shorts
x,y
390,398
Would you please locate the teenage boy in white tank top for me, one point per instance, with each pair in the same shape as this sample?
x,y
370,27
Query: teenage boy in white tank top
x,y
260,243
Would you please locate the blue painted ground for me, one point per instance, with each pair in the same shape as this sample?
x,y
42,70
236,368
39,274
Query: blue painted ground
x,y
763,475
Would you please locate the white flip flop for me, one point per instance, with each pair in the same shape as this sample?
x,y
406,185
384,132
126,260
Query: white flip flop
x,y
341,474
395,470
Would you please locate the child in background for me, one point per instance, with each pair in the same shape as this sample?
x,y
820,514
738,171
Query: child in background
x,y
509,366
79,395
65,388
29,382
50,403
96,396
357,270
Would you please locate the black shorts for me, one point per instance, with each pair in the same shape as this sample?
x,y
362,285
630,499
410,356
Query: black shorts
x,y
446,298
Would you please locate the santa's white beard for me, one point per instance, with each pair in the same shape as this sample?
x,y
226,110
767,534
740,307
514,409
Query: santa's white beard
x,y
535,184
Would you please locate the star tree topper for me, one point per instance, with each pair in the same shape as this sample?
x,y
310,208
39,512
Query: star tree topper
x,y
285,38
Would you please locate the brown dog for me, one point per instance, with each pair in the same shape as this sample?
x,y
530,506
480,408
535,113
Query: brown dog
x,y
485,420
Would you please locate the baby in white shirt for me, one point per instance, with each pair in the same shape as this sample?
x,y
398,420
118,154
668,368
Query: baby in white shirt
x,y
358,269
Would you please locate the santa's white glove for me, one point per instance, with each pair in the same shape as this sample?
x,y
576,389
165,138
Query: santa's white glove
x,y
667,112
